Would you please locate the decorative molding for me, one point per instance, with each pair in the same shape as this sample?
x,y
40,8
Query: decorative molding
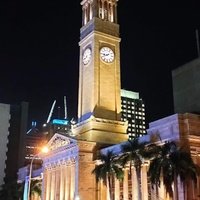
x,y
58,142
63,151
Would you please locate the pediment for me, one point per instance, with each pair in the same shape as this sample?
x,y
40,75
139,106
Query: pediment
x,y
59,141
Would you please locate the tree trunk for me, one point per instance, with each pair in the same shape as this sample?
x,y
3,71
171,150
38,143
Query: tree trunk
x,y
138,172
111,192
175,195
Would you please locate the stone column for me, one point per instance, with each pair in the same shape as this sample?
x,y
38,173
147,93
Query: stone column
x,y
102,191
161,189
125,184
48,185
91,12
144,184
53,184
62,182
44,184
57,188
76,175
117,189
85,14
72,182
103,15
67,183
111,13
134,184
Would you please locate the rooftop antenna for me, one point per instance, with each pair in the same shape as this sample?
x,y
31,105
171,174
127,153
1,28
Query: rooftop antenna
x,y
65,107
51,111
197,39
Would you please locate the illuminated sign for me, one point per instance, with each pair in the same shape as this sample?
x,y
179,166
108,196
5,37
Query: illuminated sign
x,y
60,121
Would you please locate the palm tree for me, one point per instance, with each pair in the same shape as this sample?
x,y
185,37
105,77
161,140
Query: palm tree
x,y
108,170
171,162
36,187
133,154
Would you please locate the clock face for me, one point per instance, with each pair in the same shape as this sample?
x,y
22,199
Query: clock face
x,y
87,56
107,54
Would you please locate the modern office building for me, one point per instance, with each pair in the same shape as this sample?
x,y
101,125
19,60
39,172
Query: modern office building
x,y
186,87
133,111
13,126
35,140
37,137
62,126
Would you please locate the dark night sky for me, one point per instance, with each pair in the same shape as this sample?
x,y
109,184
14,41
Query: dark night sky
x,y
39,52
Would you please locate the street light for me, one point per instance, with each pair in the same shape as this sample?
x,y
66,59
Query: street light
x,y
44,150
77,198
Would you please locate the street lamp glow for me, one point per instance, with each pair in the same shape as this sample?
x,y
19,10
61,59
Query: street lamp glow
x,y
77,198
43,150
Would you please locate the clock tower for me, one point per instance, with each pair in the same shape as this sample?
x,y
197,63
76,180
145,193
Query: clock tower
x,y
99,101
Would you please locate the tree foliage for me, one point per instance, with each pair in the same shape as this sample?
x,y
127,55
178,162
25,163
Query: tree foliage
x,y
107,170
170,162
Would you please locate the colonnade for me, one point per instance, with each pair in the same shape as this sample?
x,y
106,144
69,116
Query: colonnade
x,y
128,189
134,188
59,182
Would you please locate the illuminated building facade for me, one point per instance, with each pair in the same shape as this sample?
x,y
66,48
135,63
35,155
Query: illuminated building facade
x,y
33,143
180,128
62,126
133,110
64,165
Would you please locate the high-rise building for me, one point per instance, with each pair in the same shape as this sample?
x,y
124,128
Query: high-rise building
x,y
13,126
133,111
186,87
35,140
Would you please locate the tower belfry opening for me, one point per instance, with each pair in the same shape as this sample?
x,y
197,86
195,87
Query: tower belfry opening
x,y
102,9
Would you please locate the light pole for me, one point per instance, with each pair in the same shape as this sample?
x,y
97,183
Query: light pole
x,y
44,150
29,177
